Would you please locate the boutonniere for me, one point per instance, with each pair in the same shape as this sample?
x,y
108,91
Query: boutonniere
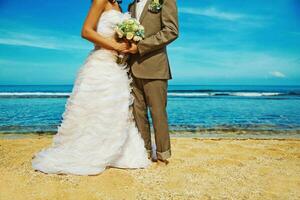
x,y
155,6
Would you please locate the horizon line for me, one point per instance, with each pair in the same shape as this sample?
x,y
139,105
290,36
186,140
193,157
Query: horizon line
x,y
169,85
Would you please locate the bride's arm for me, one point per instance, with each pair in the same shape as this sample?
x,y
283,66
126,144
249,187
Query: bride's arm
x,y
90,25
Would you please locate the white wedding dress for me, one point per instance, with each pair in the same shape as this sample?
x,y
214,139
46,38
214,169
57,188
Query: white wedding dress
x,y
98,129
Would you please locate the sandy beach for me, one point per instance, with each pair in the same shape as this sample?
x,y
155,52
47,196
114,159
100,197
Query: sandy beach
x,y
199,169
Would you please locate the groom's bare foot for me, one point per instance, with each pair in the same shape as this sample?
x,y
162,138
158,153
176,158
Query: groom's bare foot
x,y
162,162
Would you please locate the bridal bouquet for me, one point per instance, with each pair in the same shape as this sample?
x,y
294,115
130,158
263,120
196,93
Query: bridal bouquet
x,y
130,30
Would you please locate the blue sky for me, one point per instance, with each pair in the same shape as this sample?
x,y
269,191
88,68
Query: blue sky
x,y
221,42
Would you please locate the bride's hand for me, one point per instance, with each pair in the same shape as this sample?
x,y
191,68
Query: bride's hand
x,y
121,46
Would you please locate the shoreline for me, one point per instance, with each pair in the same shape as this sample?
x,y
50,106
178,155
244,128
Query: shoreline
x,y
182,134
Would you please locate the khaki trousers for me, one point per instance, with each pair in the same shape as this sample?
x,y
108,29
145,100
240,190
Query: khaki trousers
x,y
152,94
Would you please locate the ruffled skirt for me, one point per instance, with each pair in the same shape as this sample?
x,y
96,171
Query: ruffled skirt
x,y
98,129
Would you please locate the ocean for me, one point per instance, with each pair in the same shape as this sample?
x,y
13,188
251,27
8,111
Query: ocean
x,y
202,109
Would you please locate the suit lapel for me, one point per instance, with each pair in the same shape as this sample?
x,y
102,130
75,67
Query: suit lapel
x,y
144,11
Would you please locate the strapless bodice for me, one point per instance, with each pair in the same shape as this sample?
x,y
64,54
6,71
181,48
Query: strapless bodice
x,y
108,20
105,27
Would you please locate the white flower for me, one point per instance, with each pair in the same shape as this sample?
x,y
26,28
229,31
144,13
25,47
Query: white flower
x,y
135,27
137,38
141,27
129,36
130,21
119,32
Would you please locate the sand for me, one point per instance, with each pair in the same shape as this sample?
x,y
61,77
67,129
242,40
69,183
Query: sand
x,y
199,169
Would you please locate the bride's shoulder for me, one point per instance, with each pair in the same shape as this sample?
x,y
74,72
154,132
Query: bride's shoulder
x,y
100,2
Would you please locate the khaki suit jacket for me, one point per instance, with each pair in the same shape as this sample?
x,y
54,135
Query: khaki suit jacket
x,y
161,28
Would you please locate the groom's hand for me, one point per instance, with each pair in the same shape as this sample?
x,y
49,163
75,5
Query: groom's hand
x,y
133,49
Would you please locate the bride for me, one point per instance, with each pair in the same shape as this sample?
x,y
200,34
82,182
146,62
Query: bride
x,y
98,130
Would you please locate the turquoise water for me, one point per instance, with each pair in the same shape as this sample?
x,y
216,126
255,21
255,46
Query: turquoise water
x,y
208,109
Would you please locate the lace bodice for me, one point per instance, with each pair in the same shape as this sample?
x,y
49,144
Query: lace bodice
x,y
108,21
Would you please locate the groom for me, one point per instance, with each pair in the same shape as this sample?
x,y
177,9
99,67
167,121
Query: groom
x,y
151,71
